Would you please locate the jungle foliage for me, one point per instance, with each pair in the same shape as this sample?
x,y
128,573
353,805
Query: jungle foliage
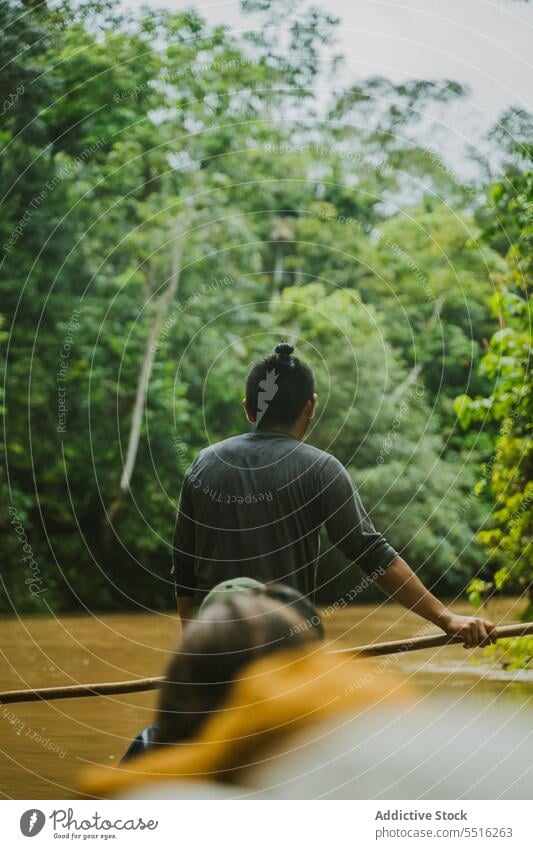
x,y
175,201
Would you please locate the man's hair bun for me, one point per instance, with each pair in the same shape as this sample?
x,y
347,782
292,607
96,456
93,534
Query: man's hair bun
x,y
278,387
284,349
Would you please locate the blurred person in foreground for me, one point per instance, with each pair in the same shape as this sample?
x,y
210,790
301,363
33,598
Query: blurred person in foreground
x,y
225,638
294,722
239,621
254,505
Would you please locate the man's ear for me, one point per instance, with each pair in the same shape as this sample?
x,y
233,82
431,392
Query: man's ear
x,y
249,415
310,407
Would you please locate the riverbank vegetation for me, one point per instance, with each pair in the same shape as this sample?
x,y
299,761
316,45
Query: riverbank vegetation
x,y
177,198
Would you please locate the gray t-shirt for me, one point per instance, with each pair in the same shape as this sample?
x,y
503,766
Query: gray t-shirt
x,y
253,506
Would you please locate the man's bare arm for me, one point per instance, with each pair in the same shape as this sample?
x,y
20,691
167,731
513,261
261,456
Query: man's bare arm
x,y
400,582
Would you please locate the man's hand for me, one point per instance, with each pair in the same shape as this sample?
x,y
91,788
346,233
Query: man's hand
x,y
400,582
471,629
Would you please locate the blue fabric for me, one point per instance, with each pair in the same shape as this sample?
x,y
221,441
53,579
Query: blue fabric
x,y
142,743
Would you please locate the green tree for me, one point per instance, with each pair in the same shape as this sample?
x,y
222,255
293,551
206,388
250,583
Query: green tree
x,y
507,476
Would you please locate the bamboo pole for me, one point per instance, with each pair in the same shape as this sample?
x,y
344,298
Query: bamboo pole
x,y
80,691
431,642
140,685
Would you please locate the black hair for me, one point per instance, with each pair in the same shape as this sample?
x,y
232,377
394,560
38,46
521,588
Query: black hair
x,y
278,387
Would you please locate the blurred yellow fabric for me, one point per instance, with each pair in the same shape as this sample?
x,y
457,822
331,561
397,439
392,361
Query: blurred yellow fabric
x,y
274,698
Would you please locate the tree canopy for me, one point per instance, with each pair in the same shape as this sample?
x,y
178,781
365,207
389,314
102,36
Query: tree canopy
x,y
176,200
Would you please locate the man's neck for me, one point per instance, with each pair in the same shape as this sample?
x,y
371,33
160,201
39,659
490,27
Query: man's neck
x,y
294,430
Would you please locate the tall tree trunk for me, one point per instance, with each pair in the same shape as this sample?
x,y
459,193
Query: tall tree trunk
x,y
278,267
162,306
414,374
281,234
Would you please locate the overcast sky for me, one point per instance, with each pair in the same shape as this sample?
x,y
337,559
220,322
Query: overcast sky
x,y
487,45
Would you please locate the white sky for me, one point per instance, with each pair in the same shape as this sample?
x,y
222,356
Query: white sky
x,y
486,44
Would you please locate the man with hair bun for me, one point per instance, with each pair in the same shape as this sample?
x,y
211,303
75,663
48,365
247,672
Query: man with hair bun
x,y
253,505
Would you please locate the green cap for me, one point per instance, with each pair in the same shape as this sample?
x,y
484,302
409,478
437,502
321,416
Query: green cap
x,y
235,585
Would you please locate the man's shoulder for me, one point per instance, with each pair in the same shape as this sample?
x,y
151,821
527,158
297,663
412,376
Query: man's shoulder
x,y
235,446
324,464
317,456
327,463
219,450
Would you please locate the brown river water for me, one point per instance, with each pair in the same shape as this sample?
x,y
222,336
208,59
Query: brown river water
x,y
43,746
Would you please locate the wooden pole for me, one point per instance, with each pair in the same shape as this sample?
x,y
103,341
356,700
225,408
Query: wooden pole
x,y
431,642
139,685
80,691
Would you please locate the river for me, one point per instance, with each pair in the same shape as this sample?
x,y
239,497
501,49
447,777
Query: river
x,y
43,746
